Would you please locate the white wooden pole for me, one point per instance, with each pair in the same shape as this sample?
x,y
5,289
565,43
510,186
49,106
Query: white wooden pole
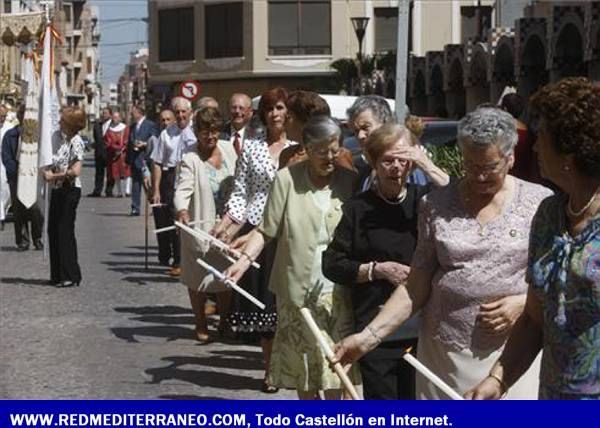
x,y
230,283
337,367
431,376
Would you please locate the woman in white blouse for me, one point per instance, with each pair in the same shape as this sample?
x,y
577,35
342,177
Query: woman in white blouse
x,y
63,177
255,171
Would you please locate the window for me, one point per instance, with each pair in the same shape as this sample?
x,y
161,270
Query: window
x,y
176,34
7,6
67,10
299,27
224,30
386,28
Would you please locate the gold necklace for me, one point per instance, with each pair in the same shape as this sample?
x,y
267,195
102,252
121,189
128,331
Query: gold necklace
x,y
574,213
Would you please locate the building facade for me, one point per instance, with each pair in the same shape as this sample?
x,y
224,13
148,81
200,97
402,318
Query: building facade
x,y
78,57
132,86
548,40
250,46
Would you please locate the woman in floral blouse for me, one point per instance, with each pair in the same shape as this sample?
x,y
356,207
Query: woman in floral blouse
x,y
63,177
562,315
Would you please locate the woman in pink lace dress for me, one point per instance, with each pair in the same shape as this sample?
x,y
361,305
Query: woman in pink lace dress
x,y
468,271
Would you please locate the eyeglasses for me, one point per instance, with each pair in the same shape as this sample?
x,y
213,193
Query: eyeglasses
x,y
388,163
488,170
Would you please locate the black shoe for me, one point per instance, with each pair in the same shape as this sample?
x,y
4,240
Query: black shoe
x,y
134,213
109,194
22,248
38,244
94,195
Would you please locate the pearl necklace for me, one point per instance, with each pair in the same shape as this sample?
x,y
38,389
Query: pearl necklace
x,y
401,197
574,213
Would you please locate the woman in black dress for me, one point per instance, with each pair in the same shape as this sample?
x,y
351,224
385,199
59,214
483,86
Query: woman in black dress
x,y
372,249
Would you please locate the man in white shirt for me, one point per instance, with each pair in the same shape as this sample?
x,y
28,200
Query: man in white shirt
x,y
174,141
237,130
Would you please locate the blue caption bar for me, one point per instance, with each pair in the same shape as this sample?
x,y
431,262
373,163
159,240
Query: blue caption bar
x,y
258,414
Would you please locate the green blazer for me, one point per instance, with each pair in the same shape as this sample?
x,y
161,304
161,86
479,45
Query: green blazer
x,y
292,217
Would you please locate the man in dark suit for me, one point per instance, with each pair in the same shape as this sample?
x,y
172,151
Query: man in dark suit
x,y
100,128
139,133
237,129
22,215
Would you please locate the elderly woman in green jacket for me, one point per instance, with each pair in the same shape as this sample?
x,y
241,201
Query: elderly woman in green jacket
x,y
302,212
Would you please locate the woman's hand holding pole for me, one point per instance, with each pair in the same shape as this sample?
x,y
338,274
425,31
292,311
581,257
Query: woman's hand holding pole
x,y
337,367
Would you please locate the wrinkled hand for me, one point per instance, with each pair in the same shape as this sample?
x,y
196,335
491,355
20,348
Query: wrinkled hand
x,y
488,389
48,175
416,155
499,316
220,228
240,242
394,273
351,349
238,269
183,216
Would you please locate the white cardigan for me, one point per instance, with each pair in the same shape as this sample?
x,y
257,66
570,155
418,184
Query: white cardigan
x,y
194,194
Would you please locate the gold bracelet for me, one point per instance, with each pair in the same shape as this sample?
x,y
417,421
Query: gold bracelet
x,y
503,385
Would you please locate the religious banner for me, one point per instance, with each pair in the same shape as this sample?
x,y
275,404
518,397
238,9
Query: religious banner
x,y
27,182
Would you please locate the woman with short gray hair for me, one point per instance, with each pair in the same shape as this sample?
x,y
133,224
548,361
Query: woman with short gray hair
x,y
302,211
468,270
368,113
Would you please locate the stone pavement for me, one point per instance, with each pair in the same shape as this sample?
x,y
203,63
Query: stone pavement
x,y
125,333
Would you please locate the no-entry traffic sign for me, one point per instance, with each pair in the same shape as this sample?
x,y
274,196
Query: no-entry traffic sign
x,y
190,90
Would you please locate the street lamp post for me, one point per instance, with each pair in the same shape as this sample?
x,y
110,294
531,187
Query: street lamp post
x,y
360,26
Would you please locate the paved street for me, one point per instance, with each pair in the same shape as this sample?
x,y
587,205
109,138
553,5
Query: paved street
x,y
125,333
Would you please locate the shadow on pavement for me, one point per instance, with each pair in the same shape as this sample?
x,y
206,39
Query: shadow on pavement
x,y
164,319
169,333
27,281
10,249
135,263
133,254
143,280
148,310
203,378
150,270
217,361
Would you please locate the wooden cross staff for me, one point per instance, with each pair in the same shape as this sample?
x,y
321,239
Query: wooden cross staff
x,y
337,367
200,234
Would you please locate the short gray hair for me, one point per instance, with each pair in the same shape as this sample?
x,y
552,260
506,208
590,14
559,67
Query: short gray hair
x,y
378,105
320,129
489,125
181,102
